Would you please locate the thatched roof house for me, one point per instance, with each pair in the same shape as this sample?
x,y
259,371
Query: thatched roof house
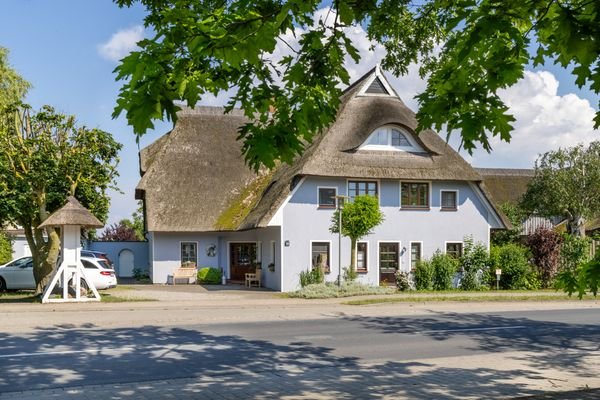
x,y
194,178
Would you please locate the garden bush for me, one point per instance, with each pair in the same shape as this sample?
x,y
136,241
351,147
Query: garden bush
x,y
403,280
574,251
512,259
349,274
474,264
209,275
423,275
444,267
544,245
312,276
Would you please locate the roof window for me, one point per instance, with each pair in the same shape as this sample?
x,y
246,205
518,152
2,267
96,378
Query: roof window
x,y
389,138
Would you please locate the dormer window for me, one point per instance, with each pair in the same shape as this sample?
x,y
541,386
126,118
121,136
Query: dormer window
x,y
390,138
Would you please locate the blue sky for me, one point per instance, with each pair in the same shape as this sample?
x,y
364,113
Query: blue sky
x,y
57,46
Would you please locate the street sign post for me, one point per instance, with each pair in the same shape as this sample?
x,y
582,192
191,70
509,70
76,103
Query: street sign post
x,y
498,273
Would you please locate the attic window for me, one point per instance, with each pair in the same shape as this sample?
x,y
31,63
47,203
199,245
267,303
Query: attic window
x,y
376,87
390,138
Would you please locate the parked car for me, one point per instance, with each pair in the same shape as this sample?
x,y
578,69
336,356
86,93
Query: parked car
x,y
97,254
18,274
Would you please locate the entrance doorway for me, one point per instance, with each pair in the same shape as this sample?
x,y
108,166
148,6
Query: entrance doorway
x,y
389,256
242,260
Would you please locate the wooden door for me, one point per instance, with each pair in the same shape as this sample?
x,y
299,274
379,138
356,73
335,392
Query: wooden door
x,y
388,262
242,259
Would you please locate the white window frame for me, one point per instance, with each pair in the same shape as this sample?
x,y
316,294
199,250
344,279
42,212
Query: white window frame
x,y
429,196
329,256
197,247
447,242
413,148
334,201
366,270
410,252
449,190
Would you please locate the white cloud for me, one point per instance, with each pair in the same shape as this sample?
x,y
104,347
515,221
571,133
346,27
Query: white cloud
x,y
121,43
545,121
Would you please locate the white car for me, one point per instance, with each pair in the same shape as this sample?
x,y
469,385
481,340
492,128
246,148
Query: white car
x,y
18,274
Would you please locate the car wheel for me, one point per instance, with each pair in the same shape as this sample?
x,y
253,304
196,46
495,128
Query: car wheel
x,y
2,285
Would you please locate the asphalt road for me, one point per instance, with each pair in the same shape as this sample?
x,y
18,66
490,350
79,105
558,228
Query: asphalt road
x,y
63,357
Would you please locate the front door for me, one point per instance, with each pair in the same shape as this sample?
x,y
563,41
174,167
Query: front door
x,y
242,259
388,263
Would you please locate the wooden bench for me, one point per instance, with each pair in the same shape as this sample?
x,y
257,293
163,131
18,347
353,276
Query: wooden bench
x,y
254,277
185,273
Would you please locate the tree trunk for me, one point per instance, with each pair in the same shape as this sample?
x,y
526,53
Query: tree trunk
x,y
48,260
353,253
576,226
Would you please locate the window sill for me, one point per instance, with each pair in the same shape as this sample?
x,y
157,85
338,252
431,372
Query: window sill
x,y
415,208
361,271
448,209
326,207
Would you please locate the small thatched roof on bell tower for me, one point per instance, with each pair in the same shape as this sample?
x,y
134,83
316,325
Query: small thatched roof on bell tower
x,y
72,213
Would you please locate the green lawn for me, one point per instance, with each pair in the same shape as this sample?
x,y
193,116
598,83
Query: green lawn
x,y
462,296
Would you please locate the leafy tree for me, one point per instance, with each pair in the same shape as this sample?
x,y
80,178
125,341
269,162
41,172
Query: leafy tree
x,y
119,232
45,157
137,222
566,183
12,86
359,218
515,216
544,245
468,49
5,248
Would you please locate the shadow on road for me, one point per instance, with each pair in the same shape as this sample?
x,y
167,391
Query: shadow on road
x,y
555,344
242,368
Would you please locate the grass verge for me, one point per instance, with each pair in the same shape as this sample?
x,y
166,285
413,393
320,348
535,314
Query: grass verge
x,y
111,298
464,298
330,290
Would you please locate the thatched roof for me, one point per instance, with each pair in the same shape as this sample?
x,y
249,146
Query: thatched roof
x,y
192,174
72,213
506,185
194,178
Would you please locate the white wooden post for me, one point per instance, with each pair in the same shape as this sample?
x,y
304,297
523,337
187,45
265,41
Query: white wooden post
x,y
70,269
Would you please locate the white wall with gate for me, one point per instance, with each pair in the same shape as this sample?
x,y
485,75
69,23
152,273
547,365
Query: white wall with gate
x,y
125,255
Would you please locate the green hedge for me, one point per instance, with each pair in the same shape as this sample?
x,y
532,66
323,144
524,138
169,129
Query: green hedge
x,y
209,275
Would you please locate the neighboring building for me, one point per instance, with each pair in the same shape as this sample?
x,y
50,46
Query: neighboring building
x,y
204,205
20,247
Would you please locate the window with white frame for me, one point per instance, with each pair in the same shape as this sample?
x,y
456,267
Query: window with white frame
x,y
454,249
189,252
320,254
327,197
361,256
415,254
391,138
449,200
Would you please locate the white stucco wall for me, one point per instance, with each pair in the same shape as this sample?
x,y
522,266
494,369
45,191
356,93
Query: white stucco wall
x,y
304,222
166,250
